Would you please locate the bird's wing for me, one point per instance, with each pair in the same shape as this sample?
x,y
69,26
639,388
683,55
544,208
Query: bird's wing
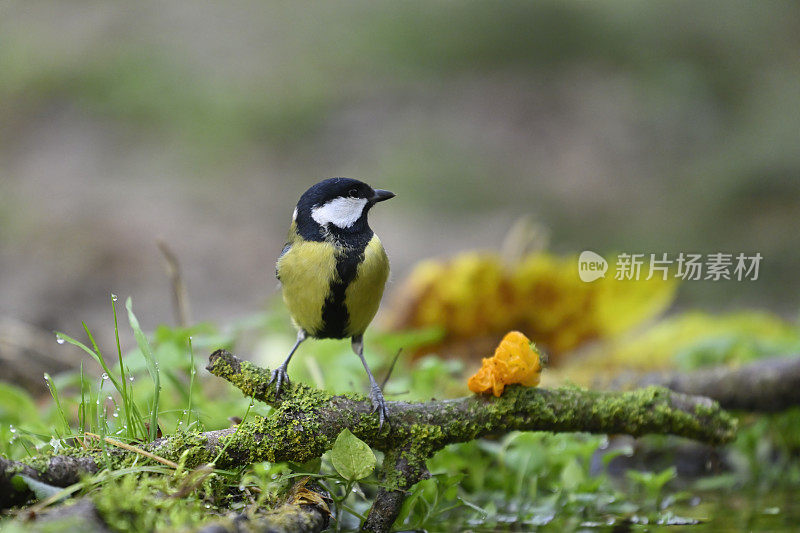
x,y
286,248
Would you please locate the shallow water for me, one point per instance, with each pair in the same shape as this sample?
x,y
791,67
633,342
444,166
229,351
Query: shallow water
x,y
743,511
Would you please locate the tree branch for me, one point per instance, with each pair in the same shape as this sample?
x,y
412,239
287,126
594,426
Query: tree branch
x,y
306,422
418,430
766,385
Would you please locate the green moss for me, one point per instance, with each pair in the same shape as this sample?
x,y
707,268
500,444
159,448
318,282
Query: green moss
x,y
148,503
191,448
41,462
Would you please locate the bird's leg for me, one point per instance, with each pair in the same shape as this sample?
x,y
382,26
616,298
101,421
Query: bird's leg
x,y
375,393
279,375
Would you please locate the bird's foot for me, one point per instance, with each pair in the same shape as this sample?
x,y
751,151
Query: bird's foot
x,y
379,405
279,377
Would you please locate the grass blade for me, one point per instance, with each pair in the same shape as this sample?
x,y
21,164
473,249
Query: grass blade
x,y
127,399
54,393
152,365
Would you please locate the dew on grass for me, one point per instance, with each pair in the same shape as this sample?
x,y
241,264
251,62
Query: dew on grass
x,y
113,297
104,376
12,429
59,340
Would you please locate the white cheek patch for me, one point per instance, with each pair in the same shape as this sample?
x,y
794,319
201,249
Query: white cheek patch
x,y
294,215
341,212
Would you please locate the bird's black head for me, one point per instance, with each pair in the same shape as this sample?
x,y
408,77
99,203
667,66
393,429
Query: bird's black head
x,y
336,207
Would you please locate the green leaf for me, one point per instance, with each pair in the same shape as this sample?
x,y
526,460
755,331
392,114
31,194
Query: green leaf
x,y
351,457
572,475
42,490
16,404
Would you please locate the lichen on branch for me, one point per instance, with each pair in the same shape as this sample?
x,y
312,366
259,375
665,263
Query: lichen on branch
x,y
306,421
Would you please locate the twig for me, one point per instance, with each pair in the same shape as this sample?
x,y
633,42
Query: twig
x,y
180,296
391,369
134,449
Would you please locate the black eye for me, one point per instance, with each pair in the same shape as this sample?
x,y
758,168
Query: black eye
x,y
353,193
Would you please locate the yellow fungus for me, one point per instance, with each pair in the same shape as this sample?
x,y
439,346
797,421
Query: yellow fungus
x,y
515,360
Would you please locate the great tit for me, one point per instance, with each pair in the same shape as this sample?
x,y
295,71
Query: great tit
x,y
333,269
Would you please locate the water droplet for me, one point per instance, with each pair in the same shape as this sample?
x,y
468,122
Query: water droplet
x,y
109,398
131,379
46,377
104,376
55,443
12,429
115,414
113,297
59,340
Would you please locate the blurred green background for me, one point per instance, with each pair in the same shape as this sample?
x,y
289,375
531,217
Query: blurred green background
x,y
620,126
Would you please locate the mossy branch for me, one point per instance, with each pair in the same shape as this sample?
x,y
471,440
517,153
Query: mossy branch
x,y
767,385
306,422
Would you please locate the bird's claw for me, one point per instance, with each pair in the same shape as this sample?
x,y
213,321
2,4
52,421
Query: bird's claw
x,y
279,377
379,405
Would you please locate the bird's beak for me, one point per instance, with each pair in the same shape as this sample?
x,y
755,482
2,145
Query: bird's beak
x,y
381,195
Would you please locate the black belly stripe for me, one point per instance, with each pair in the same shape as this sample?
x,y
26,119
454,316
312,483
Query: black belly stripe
x,y
335,317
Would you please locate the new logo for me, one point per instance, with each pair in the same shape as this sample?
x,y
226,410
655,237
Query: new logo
x,y
591,266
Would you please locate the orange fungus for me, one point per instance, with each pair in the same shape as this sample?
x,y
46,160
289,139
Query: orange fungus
x,y
515,360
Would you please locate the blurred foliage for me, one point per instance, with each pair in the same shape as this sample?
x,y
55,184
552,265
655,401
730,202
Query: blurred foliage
x,y
644,126
475,294
688,341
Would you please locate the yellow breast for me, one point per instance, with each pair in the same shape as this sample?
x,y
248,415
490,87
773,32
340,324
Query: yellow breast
x,y
305,272
363,295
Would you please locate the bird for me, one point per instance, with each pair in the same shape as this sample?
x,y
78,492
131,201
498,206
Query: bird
x,y
332,271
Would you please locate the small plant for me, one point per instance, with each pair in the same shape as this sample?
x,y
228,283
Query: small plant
x,y
653,483
91,415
